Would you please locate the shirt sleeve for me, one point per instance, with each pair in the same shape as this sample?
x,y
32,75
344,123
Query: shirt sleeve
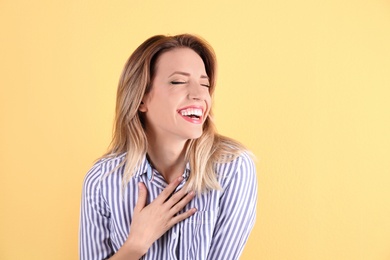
x,y
94,232
237,212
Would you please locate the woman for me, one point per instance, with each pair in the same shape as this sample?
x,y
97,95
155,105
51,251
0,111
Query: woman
x,y
169,187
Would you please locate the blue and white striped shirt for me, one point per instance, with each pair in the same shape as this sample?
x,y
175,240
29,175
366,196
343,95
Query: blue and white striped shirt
x,y
218,230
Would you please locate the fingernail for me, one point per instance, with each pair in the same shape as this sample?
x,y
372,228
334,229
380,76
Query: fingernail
x,y
180,178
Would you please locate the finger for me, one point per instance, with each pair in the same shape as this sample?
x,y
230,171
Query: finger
x,y
183,216
182,203
169,190
175,198
142,194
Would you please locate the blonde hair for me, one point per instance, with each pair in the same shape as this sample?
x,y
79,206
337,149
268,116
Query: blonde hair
x,y
129,136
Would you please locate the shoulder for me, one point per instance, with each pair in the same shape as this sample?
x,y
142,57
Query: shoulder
x,y
231,163
230,155
242,167
102,168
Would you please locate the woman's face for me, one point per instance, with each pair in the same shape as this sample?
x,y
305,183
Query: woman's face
x,y
179,101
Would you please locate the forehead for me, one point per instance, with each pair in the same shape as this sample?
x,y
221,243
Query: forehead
x,y
180,59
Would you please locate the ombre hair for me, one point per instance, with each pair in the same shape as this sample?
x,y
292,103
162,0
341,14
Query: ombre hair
x,y
129,133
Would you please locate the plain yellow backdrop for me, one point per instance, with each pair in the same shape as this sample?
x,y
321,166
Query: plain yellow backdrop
x,y
304,84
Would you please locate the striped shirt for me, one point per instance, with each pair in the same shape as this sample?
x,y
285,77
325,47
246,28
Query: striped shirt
x,y
218,230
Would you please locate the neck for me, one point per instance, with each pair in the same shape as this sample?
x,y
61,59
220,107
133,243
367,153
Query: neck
x,y
167,157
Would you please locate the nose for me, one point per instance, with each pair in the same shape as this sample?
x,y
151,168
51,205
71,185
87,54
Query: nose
x,y
196,91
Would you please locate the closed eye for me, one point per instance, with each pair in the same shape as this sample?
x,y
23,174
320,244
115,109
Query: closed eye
x,y
184,82
178,82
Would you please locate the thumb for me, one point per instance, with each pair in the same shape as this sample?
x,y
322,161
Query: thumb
x,y
142,193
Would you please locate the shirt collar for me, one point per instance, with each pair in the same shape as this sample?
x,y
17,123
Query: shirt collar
x,y
144,165
187,171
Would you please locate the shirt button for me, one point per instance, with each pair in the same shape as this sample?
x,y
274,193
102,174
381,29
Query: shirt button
x,y
149,173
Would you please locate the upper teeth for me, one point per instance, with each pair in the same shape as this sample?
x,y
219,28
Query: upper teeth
x,y
191,111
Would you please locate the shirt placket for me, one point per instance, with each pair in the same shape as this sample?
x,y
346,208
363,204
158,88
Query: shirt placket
x,y
156,179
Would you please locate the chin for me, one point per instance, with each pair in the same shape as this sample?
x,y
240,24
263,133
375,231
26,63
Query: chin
x,y
195,135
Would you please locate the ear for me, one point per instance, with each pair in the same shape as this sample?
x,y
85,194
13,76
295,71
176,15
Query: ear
x,y
142,107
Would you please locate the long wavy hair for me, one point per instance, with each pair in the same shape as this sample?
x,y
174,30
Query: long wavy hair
x,y
129,134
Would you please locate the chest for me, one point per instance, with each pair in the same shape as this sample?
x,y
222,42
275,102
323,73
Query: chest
x,y
189,239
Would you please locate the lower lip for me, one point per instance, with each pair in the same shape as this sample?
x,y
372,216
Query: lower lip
x,y
192,120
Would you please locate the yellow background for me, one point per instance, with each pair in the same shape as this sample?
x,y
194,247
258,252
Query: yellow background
x,y
304,84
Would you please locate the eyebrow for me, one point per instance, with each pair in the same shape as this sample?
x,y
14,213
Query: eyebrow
x,y
187,74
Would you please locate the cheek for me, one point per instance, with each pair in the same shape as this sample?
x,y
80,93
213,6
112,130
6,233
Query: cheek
x,y
208,100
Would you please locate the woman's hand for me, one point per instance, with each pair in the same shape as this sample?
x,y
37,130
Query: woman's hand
x,y
151,221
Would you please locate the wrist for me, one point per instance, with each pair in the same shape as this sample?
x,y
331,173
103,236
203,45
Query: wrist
x,y
135,247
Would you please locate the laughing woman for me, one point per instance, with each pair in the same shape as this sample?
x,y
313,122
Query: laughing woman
x,y
169,187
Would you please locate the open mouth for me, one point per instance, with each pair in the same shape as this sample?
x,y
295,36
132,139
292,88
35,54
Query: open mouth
x,y
191,113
